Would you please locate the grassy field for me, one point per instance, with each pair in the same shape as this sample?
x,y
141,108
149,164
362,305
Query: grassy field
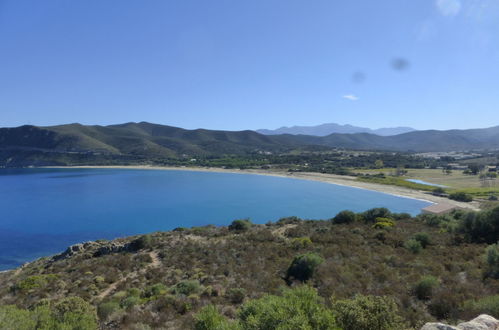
x,y
455,181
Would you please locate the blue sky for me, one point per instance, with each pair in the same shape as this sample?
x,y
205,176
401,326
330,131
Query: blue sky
x,y
234,64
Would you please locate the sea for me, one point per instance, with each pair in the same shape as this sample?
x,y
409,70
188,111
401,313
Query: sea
x,y
43,211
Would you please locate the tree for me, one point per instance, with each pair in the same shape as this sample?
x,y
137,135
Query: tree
x,y
240,225
425,288
367,313
379,212
492,259
303,266
298,308
209,318
460,196
344,217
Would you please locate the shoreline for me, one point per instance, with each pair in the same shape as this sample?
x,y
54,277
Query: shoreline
x,y
340,180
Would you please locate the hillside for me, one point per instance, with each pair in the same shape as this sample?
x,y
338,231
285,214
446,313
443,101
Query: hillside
x,y
133,143
422,269
330,128
75,143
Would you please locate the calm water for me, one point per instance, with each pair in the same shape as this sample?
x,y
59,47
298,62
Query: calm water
x,y
426,183
45,210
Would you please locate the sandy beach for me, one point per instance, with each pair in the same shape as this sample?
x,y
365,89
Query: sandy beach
x,y
342,180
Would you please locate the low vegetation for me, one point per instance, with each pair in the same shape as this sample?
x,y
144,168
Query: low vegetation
x,y
371,270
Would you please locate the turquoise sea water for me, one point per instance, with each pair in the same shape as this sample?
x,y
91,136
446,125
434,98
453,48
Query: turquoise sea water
x,y
45,210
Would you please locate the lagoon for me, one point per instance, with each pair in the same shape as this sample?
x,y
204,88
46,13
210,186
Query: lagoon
x,y
45,210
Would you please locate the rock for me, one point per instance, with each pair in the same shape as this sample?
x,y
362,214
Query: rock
x,y
482,322
111,248
438,326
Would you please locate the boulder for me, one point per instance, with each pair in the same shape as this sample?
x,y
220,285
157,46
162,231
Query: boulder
x,y
438,326
482,322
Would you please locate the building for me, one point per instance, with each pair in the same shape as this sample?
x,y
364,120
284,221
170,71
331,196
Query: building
x,y
440,208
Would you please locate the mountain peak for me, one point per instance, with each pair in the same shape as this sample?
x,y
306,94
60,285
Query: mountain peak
x,y
330,128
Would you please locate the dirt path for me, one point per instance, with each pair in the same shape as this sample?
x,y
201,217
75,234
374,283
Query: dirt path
x,y
155,263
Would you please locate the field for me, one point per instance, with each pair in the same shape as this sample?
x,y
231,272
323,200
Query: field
x,y
455,181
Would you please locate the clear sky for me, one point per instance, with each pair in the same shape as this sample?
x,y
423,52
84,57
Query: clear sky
x,y
248,64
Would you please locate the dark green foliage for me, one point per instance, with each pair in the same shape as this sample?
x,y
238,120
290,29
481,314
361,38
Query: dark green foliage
x,y
240,225
492,259
438,191
423,239
372,214
187,287
460,196
155,290
426,286
299,308
492,198
367,313
236,295
209,318
106,309
303,266
69,313
486,305
344,217
413,245
481,226
130,302
143,242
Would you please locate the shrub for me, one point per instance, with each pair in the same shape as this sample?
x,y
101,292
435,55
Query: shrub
x,y
486,305
240,225
33,282
143,242
106,309
425,288
367,313
236,295
187,287
372,214
413,245
492,259
303,266
423,239
401,216
492,198
383,223
288,220
155,290
438,191
298,308
301,242
209,318
344,217
12,317
460,196
130,302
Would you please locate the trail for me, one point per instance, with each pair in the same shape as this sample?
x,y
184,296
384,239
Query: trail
x,y
155,263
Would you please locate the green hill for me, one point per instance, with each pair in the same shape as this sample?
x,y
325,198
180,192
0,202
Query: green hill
x,y
362,269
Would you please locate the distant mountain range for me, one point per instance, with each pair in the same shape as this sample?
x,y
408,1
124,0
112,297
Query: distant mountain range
x,y
132,142
330,128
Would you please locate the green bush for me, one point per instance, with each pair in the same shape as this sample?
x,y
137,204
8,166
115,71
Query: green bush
x,y
236,295
33,282
344,217
155,290
460,196
68,313
106,309
240,225
187,287
423,239
130,302
301,242
303,266
425,288
372,214
143,242
486,305
367,313
492,259
298,308
210,319
413,245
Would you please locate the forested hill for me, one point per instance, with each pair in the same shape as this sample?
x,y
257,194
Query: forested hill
x,y
32,145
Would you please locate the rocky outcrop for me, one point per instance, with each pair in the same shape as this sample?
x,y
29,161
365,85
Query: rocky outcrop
x,y
482,322
96,249
74,249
